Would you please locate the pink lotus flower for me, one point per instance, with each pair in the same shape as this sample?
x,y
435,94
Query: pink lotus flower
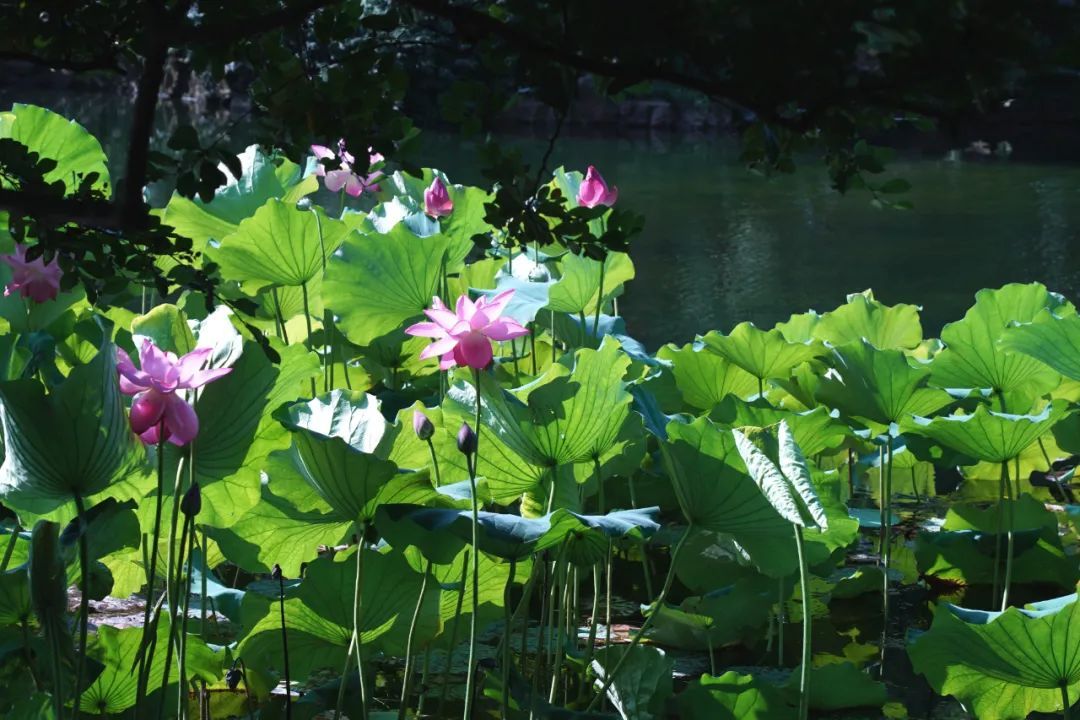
x,y
464,337
32,278
437,202
594,191
344,176
157,407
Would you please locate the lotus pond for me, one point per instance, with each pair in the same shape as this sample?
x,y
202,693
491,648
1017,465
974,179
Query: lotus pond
x,y
393,463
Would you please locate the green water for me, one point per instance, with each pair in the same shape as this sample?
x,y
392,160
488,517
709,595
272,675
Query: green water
x,y
722,245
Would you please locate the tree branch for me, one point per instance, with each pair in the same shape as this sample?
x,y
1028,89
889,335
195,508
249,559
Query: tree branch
x,y
228,32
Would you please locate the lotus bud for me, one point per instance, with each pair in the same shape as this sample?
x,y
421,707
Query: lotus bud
x,y
437,202
191,503
233,678
275,573
422,426
594,191
303,203
466,440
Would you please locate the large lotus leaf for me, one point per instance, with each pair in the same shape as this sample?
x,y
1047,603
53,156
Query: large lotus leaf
x,y
771,476
864,318
1004,666
715,493
76,151
15,597
644,682
972,357
578,288
441,533
567,416
263,178
352,416
167,326
319,618
279,245
531,293
764,354
878,385
76,440
587,536
114,690
988,435
732,696
816,431
466,220
705,378
840,686
1049,338
376,283
723,616
237,430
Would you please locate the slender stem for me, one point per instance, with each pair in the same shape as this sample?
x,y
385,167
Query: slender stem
x,y
881,506
9,550
434,462
344,680
1065,700
406,685
424,680
886,547
307,320
760,387
453,637
84,602
590,650
712,655
552,336
804,668
282,332
851,472
532,345
247,691
584,328
1000,511
473,462
174,615
781,620
358,612
599,299
506,640
184,623
285,646
560,643
146,648
203,569
609,677
645,545
1010,510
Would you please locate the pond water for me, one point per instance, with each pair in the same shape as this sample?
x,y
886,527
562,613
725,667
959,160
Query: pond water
x,y
722,245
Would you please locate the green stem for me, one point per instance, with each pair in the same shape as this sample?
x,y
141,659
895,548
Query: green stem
x,y
997,531
781,620
804,668
434,463
506,640
174,617
645,545
344,680
282,332
609,677
453,637
886,547
560,643
307,321
424,680
84,603
9,550
1065,700
184,623
202,590
285,647
712,655
1010,510
406,685
599,299
472,463
358,617
145,647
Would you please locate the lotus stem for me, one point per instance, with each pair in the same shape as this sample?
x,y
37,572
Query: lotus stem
x,y
761,387
472,460
594,616
881,506
343,681
453,636
560,642
886,546
997,530
804,668
1065,700
171,581
84,602
532,345
174,618
712,655
184,623
285,644
406,685
781,619
9,550
1010,510
145,647
358,612
610,676
424,680
600,298
644,545
307,321
279,317
203,588
506,639
434,462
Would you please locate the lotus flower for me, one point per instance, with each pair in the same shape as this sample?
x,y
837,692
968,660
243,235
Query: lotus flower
x,y
422,426
157,407
594,191
437,202
344,176
463,336
32,278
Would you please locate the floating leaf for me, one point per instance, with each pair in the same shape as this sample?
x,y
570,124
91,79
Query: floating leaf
x,y
988,435
864,318
764,354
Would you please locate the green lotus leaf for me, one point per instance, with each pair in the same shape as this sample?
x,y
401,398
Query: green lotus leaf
x,y
972,357
466,220
586,537
878,385
1049,338
237,430
263,178
568,415
644,682
74,441
1004,666
167,326
800,328
815,431
715,493
765,354
114,690
15,606
579,287
76,152
864,318
376,283
732,696
840,686
319,617
279,245
705,378
724,615
988,435
786,481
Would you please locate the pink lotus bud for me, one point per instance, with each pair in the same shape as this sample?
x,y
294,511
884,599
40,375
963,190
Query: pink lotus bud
x,y
466,440
422,426
437,202
32,278
594,191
